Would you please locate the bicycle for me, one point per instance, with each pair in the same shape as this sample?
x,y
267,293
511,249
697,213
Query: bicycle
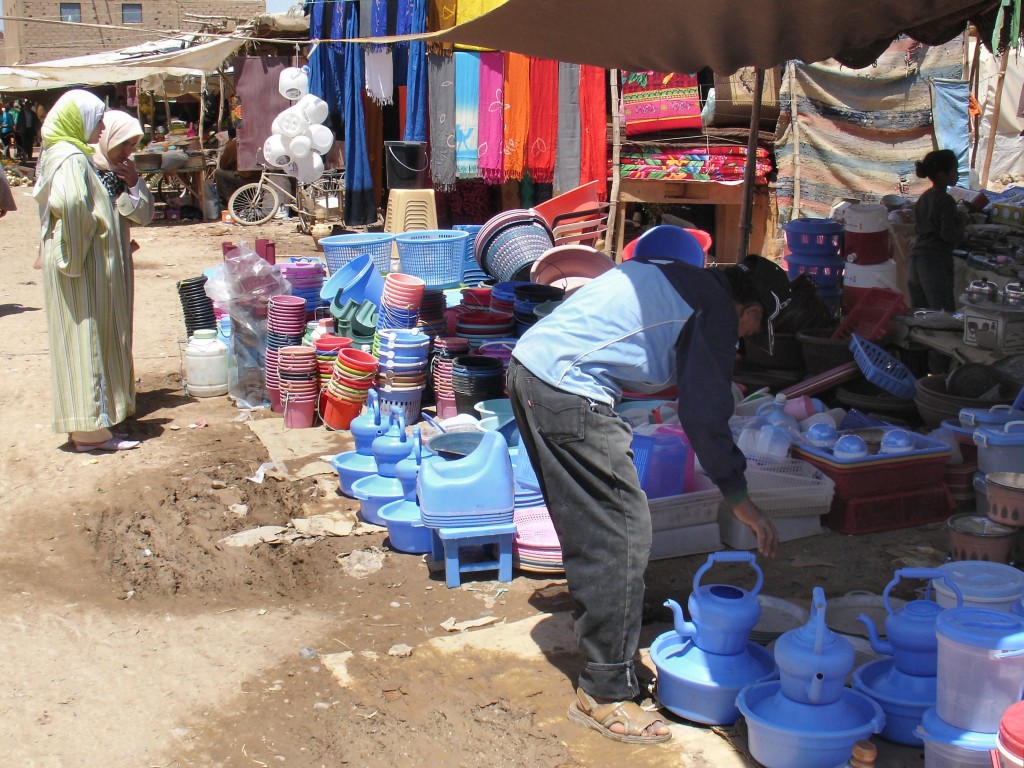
x,y
258,202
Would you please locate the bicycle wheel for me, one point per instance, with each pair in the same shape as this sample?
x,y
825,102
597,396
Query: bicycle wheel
x,y
253,204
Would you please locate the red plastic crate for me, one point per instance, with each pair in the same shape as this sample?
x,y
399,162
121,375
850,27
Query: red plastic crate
x,y
880,475
889,511
871,314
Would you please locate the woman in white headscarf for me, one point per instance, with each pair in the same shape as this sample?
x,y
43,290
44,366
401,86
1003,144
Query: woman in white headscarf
x,y
85,288
131,198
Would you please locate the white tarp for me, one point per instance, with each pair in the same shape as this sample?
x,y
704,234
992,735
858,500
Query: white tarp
x,y
166,57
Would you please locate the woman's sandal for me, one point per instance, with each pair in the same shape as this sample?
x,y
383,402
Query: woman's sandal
x,y
115,443
600,717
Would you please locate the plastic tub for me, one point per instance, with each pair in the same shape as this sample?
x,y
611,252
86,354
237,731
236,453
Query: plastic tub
x,y
1000,448
976,537
902,713
1005,493
946,746
983,585
981,666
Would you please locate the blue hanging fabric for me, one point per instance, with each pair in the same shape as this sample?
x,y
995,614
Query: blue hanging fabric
x,y
325,62
416,116
360,207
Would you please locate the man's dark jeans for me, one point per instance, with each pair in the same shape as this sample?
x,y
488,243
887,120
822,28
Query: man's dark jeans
x,y
581,452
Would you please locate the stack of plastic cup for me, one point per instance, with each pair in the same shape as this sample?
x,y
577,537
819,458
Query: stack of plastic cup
x,y
400,301
446,349
300,386
354,374
286,321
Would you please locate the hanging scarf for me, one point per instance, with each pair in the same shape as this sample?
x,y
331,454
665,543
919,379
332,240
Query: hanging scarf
x,y
517,115
326,63
440,16
360,208
491,146
73,119
376,21
380,75
441,79
543,130
594,126
416,116
567,158
467,114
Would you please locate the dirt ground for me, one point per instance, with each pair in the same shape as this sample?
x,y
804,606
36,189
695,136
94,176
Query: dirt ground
x,y
130,637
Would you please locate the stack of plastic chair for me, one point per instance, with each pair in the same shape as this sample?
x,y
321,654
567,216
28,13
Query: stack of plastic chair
x,y
469,502
409,210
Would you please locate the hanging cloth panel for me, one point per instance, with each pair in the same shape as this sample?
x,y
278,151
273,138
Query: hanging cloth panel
x,y
441,78
467,10
380,76
656,101
491,146
325,66
260,104
567,154
441,16
543,133
950,101
467,113
517,115
416,116
360,207
594,127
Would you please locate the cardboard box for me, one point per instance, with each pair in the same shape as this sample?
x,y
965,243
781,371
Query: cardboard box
x,y
1000,331
1007,212
975,199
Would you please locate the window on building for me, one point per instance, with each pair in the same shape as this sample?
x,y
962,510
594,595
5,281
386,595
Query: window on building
x,y
71,12
131,13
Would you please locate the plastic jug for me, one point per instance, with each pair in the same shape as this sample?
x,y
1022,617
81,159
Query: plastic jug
x,y
206,364
722,614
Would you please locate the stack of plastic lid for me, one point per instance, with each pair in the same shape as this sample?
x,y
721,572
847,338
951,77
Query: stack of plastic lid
x,y
472,274
299,385
476,378
816,251
432,320
400,301
306,277
196,305
503,295
286,320
479,327
446,349
527,298
508,244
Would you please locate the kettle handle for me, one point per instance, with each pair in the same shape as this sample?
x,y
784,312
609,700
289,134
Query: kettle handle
x,y
730,556
373,402
417,445
921,573
818,617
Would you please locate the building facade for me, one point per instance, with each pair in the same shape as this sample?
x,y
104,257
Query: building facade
x,y
27,41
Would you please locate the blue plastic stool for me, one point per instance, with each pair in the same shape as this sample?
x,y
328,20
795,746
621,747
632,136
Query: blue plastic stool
x,y
446,543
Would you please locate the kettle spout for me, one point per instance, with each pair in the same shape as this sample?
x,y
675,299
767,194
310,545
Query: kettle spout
x,y
683,627
815,688
877,644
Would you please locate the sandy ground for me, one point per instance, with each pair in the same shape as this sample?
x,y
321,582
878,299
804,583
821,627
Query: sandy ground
x,y
130,637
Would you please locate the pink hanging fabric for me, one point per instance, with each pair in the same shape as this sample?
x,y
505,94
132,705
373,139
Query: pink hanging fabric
x,y
492,118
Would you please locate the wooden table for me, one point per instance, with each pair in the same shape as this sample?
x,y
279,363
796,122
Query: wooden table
x,y
949,343
727,199
192,179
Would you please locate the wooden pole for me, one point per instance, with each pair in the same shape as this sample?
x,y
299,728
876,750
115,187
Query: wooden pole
x,y
994,122
750,169
202,109
167,110
972,85
613,208
220,99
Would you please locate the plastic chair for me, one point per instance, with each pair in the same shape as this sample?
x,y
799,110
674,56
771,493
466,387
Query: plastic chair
x,y
410,210
670,241
447,543
584,227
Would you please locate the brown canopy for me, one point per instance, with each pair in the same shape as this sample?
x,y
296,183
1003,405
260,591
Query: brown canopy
x,y
688,35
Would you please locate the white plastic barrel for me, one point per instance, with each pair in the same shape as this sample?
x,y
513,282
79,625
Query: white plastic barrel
x,y
206,364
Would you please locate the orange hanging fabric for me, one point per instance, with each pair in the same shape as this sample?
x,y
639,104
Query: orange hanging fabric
x,y
517,115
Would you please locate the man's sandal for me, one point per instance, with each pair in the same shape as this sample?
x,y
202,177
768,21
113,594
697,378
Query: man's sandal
x,y
600,717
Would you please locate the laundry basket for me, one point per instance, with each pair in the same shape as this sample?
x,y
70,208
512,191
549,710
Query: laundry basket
x,y
435,256
341,249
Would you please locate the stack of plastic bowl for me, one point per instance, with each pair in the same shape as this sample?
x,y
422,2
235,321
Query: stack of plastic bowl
x,y
499,348
196,305
306,277
300,386
402,364
480,327
356,281
471,272
503,295
477,296
432,319
286,320
509,243
527,298
476,378
339,250
446,349
400,301
326,348
352,379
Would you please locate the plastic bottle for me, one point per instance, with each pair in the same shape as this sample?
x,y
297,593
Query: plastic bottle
x,y
206,364
774,412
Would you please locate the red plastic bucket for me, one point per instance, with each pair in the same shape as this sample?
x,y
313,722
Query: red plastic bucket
x,y
338,414
357,360
299,413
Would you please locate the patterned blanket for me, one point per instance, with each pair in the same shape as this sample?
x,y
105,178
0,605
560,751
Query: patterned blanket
x,y
723,163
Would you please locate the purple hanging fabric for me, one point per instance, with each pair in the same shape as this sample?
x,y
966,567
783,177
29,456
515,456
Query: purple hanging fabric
x,y
416,115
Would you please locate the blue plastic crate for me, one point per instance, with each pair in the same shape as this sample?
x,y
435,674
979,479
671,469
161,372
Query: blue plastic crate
x,y
882,369
825,271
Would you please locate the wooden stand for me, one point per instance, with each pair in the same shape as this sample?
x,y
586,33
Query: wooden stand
x,y
727,199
